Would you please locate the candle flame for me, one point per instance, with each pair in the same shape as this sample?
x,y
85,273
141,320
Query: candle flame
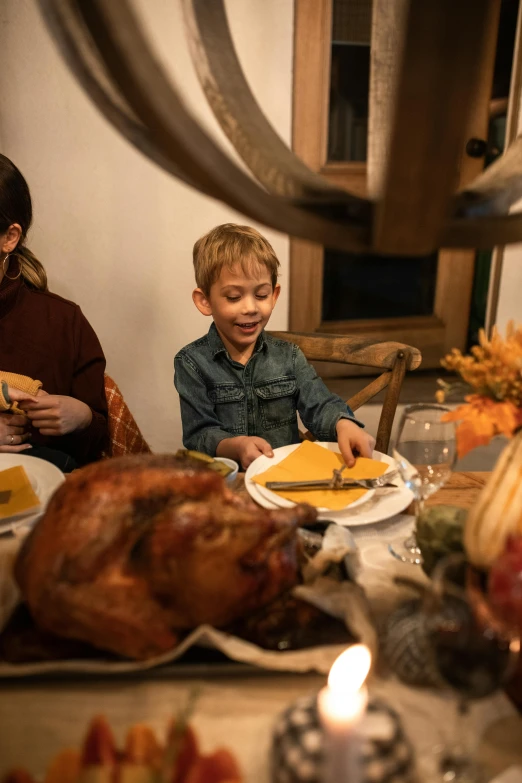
x,y
350,669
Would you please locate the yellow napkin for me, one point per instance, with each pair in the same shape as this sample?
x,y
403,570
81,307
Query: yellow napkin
x,y
16,493
310,461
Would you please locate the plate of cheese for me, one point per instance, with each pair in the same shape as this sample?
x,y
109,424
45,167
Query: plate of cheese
x,y
26,485
310,461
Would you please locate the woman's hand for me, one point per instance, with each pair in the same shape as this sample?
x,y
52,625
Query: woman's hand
x,y
13,433
352,438
56,414
14,428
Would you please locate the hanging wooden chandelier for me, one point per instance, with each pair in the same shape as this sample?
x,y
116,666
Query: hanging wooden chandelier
x,y
415,208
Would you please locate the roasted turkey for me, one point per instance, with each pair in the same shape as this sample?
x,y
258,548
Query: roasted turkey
x,y
133,551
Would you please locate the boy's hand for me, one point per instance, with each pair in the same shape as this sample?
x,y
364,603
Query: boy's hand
x,y
351,438
244,449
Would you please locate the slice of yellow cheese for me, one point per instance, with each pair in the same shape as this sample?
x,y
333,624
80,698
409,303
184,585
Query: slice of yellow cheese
x,y
311,461
16,492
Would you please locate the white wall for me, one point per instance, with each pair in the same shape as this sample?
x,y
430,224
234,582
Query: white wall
x,y
509,306
510,292
114,232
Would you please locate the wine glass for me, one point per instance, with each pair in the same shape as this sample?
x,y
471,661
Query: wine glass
x,y
425,452
471,649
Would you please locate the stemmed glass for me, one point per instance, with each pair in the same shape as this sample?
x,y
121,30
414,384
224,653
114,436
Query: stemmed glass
x,y
425,452
472,650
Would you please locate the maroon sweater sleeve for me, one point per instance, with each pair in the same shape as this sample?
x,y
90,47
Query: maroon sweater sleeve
x,y
48,338
87,385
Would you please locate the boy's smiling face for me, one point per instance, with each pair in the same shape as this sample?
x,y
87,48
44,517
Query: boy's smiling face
x,y
241,303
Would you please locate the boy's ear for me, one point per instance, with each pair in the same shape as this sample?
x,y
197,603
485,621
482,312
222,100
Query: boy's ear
x,y
202,303
276,292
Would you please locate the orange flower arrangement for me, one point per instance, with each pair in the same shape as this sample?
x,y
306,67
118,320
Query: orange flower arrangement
x,y
493,370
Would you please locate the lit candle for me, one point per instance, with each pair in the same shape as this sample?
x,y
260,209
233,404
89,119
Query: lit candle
x,y
341,706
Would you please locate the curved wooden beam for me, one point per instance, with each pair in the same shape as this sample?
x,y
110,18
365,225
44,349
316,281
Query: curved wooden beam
x,y
240,116
483,233
146,87
105,48
496,189
79,51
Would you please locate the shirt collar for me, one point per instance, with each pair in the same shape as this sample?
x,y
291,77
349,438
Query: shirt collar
x,y
9,290
215,341
217,346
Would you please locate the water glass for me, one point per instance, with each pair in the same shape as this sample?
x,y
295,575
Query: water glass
x,y
425,451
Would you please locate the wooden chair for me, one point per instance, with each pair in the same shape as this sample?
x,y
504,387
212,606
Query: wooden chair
x,y
124,434
394,359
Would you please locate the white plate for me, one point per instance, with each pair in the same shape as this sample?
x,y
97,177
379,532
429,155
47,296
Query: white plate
x,y
372,507
283,452
44,477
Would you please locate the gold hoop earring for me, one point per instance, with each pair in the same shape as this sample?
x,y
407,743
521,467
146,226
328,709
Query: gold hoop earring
x,y
5,268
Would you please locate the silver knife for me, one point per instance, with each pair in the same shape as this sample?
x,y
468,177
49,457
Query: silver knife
x,y
364,483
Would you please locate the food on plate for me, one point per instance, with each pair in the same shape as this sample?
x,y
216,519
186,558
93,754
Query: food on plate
x,y
497,513
133,551
210,462
16,493
440,532
142,760
310,461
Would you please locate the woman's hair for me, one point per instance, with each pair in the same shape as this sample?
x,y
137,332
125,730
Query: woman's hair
x,y
16,207
228,245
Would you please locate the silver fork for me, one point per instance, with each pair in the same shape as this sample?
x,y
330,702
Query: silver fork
x,y
384,480
336,483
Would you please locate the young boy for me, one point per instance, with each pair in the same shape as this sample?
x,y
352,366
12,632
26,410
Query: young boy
x,y
240,388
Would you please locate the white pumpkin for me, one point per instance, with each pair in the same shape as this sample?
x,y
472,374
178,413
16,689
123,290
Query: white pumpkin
x,y
498,510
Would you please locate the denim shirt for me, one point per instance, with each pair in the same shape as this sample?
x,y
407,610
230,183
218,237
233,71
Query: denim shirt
x,y
221,398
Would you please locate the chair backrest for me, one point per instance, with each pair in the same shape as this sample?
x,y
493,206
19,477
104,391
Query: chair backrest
x,y
124,434
394,359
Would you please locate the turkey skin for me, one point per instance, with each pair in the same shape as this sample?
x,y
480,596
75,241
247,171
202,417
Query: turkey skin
x,y
133,552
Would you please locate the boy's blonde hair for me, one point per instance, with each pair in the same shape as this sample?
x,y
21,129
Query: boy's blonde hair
x,y
227,245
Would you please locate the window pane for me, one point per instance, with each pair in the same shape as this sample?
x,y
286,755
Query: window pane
x,y
371,286
349,80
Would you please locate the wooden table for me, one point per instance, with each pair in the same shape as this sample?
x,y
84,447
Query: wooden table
x,y
461,490
39,718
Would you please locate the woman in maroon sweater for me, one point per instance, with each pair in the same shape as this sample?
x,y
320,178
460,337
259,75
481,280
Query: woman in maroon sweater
x,y
49,339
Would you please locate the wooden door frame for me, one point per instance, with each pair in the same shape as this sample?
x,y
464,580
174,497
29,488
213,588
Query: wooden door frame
x,y
447,327
513,128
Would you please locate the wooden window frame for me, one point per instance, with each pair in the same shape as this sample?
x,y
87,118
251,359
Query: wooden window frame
x,y
435,334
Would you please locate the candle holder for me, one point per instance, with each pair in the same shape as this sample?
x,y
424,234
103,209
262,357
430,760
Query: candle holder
x,y
298,743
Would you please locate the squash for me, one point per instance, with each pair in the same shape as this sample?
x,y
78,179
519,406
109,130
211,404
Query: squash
x,y
439,532
497,513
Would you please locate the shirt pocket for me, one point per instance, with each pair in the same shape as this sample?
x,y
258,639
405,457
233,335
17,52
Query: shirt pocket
x,y
229,403
277,402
